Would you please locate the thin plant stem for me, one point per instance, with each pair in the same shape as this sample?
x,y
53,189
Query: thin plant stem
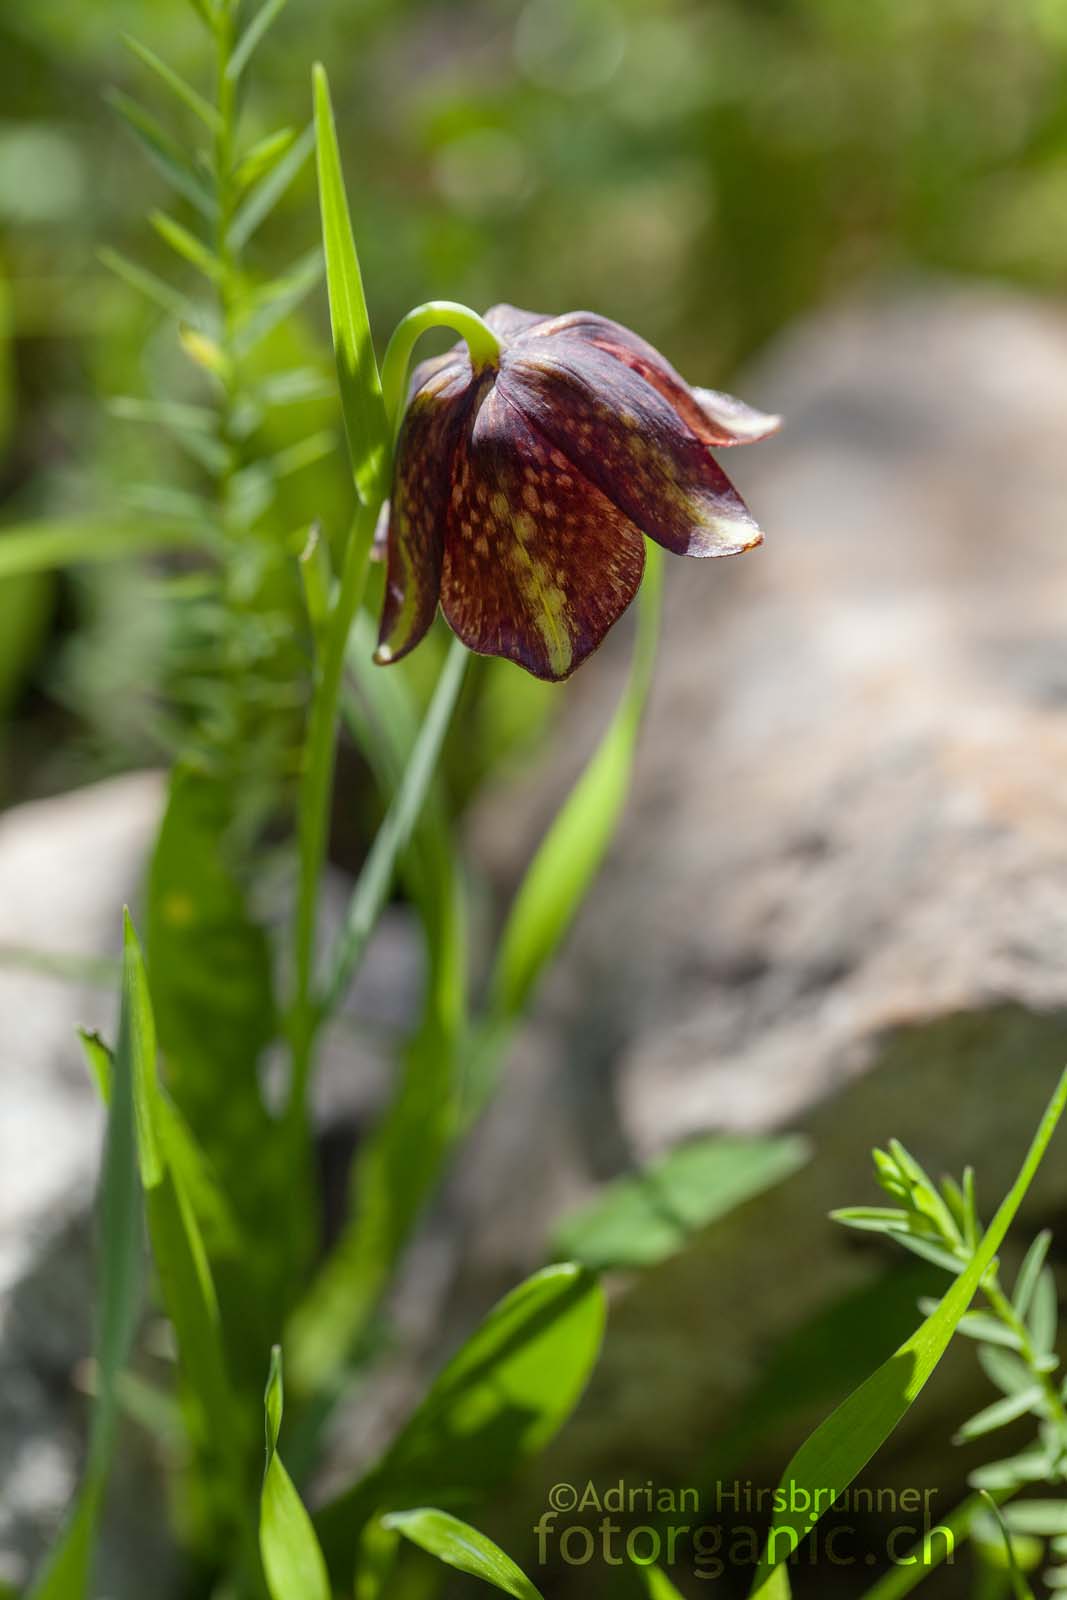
x,y
933,1548
314,800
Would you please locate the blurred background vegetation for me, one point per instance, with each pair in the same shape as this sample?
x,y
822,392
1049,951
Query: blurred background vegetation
x,y
703,171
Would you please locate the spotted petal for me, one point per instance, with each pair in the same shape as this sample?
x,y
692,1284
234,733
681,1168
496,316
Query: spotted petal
x,y
716,419
628,439
538,562
441,398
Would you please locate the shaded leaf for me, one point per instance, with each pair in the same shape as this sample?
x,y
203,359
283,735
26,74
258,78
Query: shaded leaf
x,y
644,1218
292,1560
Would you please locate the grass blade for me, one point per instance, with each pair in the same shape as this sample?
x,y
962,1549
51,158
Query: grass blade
x,y
842,1445
66,1575
44,546
357,370
293,1563
500,1399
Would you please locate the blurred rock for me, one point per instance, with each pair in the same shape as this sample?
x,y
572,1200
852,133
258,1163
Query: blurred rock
x,y
839,900
67,867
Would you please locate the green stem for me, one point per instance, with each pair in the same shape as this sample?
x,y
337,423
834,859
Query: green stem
x,y
931,1551
482,342
314,799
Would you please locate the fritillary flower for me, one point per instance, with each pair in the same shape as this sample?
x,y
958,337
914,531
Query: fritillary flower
x,y
523,486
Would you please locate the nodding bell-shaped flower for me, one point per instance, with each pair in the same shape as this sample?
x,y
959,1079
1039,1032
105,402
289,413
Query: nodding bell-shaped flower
x,y
524,481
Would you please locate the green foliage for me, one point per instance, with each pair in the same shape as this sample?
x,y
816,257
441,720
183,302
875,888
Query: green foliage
x,y
842,1445
459,1545
647,1217
500,1399
292,1559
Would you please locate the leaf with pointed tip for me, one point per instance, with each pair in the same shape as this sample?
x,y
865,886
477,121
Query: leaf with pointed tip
x,y
293,1564
1010,1374
185,92
1043,1316
278,300
1029,1273
165,153
842,1445
464,1548
1000,1413
251,37
161,294
259,204
186,245
262,156
366,424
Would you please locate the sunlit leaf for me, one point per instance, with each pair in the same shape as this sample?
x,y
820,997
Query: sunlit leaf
x,y
459,1545
357,370
500,1399
292,1560
842,1445
258,205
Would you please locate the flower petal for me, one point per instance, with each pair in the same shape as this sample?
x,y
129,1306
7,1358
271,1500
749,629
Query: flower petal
x,y
422,475
538,562
510,322
631,442
716,419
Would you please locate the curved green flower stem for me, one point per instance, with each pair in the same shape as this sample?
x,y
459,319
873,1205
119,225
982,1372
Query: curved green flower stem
x,y
482,342
314,800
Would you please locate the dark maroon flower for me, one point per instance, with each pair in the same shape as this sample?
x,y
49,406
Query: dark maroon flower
x,y
522,489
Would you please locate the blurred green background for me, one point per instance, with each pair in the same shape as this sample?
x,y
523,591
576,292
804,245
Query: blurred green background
x,y
703,171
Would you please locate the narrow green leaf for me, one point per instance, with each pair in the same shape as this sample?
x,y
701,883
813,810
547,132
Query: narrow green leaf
x,y
459,1545
294,387
1007,1371
832,1456
658,1585
571,853
366,424
292,1560
999,1414
185,1280
872,1219
186,245
164,152
643,1219
1046,1518
66,1574
1029,1466
175,83
263,155
394,835
500,1399
258,205
1020,1588
147,283
1029,1273
167,413
251,37
1043,1316
277,301
928,1251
